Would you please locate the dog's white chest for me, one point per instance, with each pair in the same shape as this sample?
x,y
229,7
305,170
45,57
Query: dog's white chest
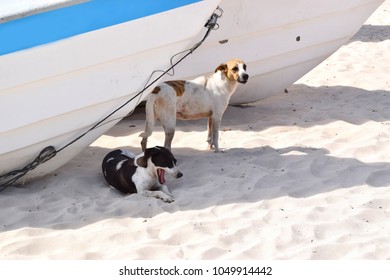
x,y
143,180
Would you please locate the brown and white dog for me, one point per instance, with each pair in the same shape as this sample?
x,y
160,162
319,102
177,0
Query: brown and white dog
x,y
203,97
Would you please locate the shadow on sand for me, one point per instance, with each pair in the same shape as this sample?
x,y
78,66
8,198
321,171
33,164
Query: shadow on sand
x,y
77,196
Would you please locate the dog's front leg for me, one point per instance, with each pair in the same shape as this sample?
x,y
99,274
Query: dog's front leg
x,y
159,194
216,123
210,132
165,189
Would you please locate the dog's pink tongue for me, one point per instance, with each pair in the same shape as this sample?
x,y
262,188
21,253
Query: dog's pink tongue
x,y
160,173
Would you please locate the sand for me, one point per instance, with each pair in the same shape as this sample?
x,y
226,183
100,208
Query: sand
x,y
306,175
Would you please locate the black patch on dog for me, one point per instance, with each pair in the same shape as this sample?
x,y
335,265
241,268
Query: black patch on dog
x,y
161,156
121,178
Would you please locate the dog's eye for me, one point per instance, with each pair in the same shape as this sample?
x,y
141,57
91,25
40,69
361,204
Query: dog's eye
x,y
244,67
235,69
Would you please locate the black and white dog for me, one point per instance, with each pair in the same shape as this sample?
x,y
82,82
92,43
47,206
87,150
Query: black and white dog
x,y
143,174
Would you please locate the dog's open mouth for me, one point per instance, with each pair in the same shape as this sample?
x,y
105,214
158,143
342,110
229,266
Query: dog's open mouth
x,y
160,173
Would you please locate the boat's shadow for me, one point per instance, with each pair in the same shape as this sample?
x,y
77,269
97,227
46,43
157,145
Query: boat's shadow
x,y
76,195
300,105
372,33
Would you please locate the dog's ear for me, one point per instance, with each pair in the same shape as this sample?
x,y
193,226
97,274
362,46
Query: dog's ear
x,y
223,68
142,162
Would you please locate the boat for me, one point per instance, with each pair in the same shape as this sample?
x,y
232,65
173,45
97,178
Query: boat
x,y
71,69
59,91
280,40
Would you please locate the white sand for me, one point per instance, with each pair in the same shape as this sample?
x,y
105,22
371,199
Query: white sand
x,y
306,176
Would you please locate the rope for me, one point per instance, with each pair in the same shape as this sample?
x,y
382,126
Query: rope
x,y
50,152
45,155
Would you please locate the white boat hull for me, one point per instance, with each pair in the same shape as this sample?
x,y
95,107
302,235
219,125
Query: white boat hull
x,y
52,94
280,40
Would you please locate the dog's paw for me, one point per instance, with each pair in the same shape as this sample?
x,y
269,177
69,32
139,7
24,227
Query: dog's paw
x,y
220,151
211,146
167,198
216,150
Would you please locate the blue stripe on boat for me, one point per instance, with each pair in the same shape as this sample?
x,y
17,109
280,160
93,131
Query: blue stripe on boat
x,y
62,23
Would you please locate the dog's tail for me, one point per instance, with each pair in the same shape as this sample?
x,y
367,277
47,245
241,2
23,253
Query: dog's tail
x,y
150,116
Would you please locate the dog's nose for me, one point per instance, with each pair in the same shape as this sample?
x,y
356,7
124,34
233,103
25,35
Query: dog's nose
x,y
179,174
243,78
